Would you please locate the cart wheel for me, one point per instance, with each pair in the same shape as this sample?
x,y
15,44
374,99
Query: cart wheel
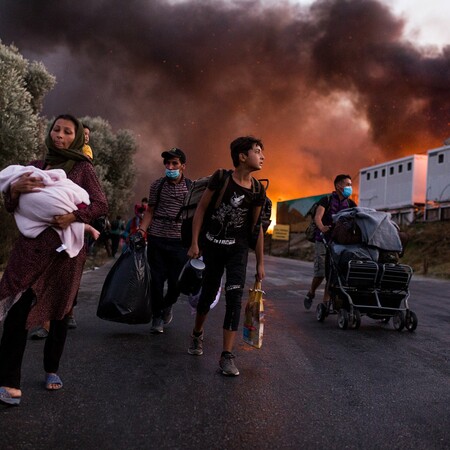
x,y
321,312
399,321
343,319
356,319
411,321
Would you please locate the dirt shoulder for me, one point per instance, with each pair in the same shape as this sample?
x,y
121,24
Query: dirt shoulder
x,y
427,252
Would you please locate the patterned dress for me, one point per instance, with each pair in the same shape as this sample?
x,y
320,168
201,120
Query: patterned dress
x,y
53,276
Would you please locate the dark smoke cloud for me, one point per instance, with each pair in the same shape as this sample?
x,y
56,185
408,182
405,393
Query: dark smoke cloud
x,y
329,89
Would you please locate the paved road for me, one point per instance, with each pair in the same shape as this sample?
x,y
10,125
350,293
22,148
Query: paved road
x,y
311,386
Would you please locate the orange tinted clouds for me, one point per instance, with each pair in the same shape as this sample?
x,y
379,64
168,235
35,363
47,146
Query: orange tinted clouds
x,y
329,89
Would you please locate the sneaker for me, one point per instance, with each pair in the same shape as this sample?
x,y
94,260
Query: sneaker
x,y
308,300
167,315
227,366
196,347
71,323
157,325
39,333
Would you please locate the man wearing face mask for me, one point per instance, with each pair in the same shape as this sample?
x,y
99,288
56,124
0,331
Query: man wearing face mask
x,y
165,252
328,205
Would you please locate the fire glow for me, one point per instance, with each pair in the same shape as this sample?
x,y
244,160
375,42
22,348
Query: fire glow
x,y
329,89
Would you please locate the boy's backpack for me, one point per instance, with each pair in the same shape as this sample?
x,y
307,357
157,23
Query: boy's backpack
x,y
264,217
192,199
266,212
310,232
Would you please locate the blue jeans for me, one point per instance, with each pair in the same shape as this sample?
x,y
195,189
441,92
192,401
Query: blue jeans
x,y
166,258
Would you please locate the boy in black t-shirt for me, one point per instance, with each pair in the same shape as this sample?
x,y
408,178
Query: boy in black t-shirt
x,y
226,243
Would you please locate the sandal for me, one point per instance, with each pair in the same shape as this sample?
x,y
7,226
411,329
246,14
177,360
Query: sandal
x,y
52,378
7,399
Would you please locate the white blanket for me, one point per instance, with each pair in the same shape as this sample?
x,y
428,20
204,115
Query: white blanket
x,y
37,209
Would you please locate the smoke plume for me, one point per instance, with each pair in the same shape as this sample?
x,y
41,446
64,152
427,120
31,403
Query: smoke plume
x,y
330,88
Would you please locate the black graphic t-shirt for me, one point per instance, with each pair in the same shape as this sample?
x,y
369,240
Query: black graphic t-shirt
x,y
230,223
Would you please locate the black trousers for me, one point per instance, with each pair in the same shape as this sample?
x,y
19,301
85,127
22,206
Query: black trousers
x,y
217,259
166,258
115,240
14,340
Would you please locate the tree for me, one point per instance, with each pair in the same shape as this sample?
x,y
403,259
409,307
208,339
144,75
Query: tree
x,y
23,85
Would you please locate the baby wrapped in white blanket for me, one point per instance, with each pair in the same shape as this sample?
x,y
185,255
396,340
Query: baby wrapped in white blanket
x,y
36,210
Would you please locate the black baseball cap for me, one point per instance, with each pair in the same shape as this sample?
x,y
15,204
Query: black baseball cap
x,y
174,153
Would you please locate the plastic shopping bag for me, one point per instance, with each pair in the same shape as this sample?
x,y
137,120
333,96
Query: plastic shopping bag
x,y
254,317
125,294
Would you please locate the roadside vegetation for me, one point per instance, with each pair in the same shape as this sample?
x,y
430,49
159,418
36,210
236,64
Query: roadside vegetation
x,y
427,252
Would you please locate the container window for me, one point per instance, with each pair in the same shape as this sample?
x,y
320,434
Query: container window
x,y
400,168
383,172
440,158
375,174
391,170
368,176
409,167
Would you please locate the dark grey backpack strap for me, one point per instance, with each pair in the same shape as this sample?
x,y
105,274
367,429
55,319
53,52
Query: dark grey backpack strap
x,y
225,176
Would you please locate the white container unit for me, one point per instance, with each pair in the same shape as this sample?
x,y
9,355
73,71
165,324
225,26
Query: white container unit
x,y
393,185
438,184
438,176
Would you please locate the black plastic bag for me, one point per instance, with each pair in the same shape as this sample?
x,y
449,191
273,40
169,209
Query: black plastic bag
x,y
125,294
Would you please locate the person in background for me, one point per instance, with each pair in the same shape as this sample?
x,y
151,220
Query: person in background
x,y
328,205
72,323
39,283
117,228
133,225
87,150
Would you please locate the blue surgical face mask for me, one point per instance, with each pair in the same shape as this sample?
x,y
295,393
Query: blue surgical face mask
x,y
347,191
172,173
